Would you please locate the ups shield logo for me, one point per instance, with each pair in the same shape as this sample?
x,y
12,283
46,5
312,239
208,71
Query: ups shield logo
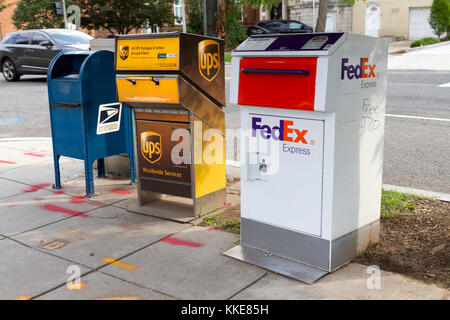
x,y
151,146
124,52
208,59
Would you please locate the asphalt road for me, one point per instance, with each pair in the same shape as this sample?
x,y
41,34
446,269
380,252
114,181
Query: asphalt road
x,y
417,151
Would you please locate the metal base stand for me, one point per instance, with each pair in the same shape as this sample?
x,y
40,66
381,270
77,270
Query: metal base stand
x,y
272,262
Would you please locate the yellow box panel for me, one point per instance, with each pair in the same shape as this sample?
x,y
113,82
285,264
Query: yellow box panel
x,y
210,173
148,54
143,89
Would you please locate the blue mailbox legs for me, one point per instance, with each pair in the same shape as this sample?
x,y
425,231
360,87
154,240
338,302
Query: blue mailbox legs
x,y
89,177
88,171
101,168
132,173
57,184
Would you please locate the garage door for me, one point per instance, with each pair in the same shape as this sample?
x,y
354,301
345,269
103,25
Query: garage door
x,y
418,24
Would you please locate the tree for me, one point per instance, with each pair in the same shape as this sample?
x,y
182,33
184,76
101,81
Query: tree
x,y
194,13
229,25
36,14
322,16
119,16
440,17
2,5
268,4
323,10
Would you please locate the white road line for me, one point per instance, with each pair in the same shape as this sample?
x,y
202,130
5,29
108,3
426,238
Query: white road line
x,y
413,117
445,85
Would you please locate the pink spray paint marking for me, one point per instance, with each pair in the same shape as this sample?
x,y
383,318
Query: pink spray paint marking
x,y
53,208
179,242
7,162
122,191
58,192
77,200
210,229
34,154
227,205
37,187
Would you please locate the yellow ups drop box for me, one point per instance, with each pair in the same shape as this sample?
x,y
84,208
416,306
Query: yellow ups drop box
x,y
175,83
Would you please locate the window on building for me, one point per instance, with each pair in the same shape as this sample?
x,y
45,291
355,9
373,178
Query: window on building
x,y
241,9
178,11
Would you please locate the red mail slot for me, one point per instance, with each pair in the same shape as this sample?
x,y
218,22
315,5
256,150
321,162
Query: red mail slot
x,y
288,83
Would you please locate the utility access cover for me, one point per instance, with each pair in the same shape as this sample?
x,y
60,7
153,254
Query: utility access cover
x,y
54,244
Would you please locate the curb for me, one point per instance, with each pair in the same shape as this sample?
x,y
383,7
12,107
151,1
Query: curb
x,y
428,46
406,50
419,192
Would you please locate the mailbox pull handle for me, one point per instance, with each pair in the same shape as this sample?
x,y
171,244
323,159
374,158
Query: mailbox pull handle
x,y
133,81
276,71
156,81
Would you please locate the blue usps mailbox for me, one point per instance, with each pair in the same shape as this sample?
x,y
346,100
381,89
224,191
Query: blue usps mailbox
x,y
86,121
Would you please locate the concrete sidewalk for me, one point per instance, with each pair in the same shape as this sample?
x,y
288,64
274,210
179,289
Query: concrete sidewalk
x,y
46,237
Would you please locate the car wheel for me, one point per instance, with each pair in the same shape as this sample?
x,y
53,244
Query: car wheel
x,y
9,71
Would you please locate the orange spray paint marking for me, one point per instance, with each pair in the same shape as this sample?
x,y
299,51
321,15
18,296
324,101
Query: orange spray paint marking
x,y
120,298
179,242
37,187
23,298
34,154
75,286
53,208
120,264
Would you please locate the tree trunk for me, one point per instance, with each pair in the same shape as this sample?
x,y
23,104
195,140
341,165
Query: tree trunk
x,y
284,10
322,16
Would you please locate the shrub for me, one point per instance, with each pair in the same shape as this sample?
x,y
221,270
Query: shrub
x,y
424,42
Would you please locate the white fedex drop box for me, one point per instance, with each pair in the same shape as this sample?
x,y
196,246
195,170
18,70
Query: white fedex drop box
x,y
312,112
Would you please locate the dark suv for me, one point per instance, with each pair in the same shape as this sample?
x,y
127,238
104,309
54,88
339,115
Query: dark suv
x,y
31,51
279,26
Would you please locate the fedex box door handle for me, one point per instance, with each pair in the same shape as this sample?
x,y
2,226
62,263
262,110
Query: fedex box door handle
x,y
275,71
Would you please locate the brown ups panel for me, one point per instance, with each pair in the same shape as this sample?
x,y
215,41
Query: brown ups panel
x,y
175,83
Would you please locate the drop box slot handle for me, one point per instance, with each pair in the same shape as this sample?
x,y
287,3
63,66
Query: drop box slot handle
x,y
275,71
134,81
